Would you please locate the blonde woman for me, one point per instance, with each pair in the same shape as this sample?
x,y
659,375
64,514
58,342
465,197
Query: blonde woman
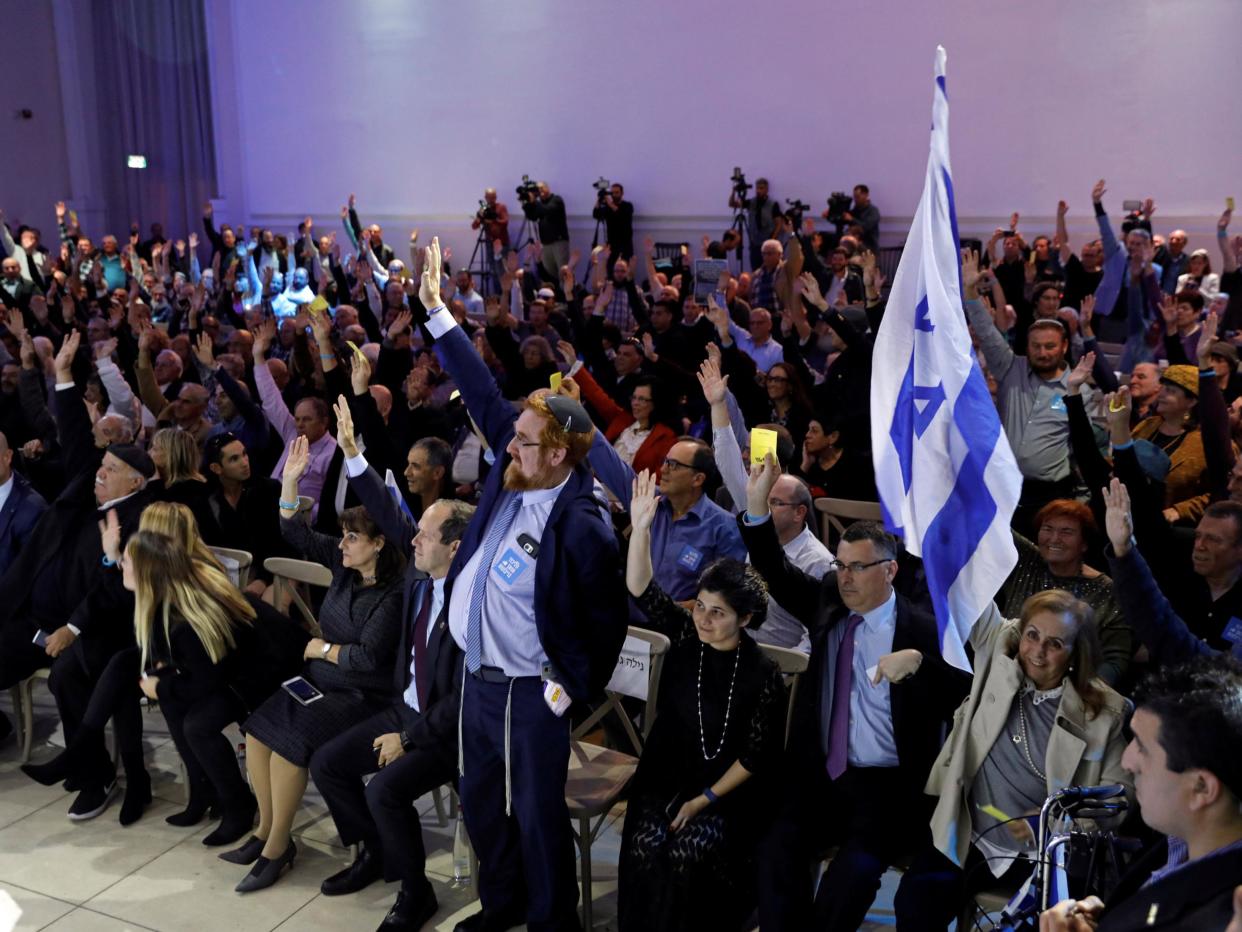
x,y
114,695
177,458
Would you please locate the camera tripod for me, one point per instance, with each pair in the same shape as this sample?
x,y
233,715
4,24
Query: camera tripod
x,y
481,264
739,225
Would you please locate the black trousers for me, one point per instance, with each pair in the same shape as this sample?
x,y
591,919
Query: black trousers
x,y
381,814
527,853
197,731
872,814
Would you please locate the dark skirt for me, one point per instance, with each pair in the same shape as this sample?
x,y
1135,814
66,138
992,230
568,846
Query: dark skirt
x,y
296,731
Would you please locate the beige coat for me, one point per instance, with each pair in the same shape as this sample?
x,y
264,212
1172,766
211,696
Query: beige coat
x,y
1082,751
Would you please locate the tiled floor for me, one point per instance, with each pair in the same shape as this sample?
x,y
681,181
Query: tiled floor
x,y
80,877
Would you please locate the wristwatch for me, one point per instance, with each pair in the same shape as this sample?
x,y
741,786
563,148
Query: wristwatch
x,y
324,650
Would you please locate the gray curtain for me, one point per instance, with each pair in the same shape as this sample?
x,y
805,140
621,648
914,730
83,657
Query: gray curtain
x,y
154,99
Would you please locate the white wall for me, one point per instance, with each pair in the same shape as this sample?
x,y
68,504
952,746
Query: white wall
x,y
34,171
416,106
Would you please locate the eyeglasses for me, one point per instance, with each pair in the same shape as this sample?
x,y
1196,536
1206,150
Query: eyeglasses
x,y
524,442
673,465
838,566
776,502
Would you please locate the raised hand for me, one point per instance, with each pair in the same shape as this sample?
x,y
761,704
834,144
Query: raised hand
x,y
759,485
717,315
1223,223
567,351
1085,312
263,338
399,323
204,352
1207,336
806,285
345,427
105,348
649,349
298,460
1118,523
715,386
648,246
1168,310
1097,192
1062,208
429,284
644,501
1013,221
1117,412
570,389
208,210
60,211
110,535
970,272
1080,373
360,374
64,357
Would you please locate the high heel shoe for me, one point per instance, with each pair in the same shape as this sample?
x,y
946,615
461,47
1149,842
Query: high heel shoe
x,y
202,798
236,822
267,871
247,853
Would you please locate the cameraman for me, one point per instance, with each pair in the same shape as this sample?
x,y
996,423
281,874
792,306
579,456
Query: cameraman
x,y
548,210
618,219
761,213
866,215
493,216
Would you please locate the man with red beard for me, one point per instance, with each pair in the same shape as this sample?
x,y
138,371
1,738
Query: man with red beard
x,y
538,607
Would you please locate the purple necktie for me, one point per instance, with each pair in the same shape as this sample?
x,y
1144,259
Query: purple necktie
x,y
843,676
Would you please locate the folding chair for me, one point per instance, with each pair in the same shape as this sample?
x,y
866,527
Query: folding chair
x,y
244,560
792,664
291,577
597,775
840,512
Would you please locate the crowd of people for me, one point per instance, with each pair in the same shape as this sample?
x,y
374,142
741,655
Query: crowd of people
x,y
503,476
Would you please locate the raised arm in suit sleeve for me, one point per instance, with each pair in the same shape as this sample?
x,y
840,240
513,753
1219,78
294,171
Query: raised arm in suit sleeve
x,y
384,511
1149,613
799,592
494,416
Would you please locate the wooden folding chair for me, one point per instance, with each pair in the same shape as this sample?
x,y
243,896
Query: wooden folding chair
x,y
598,775
244,559
291,578
839,513
792,664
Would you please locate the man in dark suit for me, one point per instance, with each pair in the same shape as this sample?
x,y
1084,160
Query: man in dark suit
x,y
20,507
538,606
411,746
15,291
870,719
1187,727
45,591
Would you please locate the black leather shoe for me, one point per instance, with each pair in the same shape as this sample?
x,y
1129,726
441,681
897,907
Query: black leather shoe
x,y
246,854
491,922
410,912
267,871
365,870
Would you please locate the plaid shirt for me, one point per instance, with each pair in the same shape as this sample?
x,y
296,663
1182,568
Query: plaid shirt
x,y
617,311
763,289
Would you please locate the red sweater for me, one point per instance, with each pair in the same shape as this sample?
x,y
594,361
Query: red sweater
x,y
650,455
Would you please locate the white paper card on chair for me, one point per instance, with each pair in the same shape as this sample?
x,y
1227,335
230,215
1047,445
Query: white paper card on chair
x,y
633,669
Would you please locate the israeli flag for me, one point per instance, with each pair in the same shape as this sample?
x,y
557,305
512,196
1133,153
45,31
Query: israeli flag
x,y
947,478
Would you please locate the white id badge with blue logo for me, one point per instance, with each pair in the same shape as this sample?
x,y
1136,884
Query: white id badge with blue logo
x,y
510,567
1057,404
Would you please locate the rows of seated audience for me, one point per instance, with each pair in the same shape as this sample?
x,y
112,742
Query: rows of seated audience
x,y
505,470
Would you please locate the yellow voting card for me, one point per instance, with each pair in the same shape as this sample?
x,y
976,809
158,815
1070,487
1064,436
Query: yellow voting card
x,y
318,306
555,381
762,442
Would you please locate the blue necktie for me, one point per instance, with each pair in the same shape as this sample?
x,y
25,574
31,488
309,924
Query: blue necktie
x,y
474,624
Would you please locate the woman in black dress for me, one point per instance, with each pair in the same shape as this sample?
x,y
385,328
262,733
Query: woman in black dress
x,y
691,820
350,664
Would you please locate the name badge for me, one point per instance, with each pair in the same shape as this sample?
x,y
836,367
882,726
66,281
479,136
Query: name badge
x,y
690,558
1233,631
1057,404
510,566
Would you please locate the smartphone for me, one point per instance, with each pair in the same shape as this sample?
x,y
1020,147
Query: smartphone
x,y
674,807
301,690
40,639
1229,203
1131,207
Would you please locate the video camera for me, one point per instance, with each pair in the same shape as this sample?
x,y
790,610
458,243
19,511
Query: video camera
x,y
486,211
740,185
838,205
527,189
794,210
602,186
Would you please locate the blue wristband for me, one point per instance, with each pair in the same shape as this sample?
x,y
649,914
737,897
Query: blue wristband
x,y
106,562
711,797
1123,446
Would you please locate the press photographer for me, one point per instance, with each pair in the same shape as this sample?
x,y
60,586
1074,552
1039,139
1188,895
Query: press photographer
x,y
493,216
617,215
861,214
548,210
760,210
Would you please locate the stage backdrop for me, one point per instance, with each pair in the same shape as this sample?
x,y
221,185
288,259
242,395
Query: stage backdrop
x,y
417,106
